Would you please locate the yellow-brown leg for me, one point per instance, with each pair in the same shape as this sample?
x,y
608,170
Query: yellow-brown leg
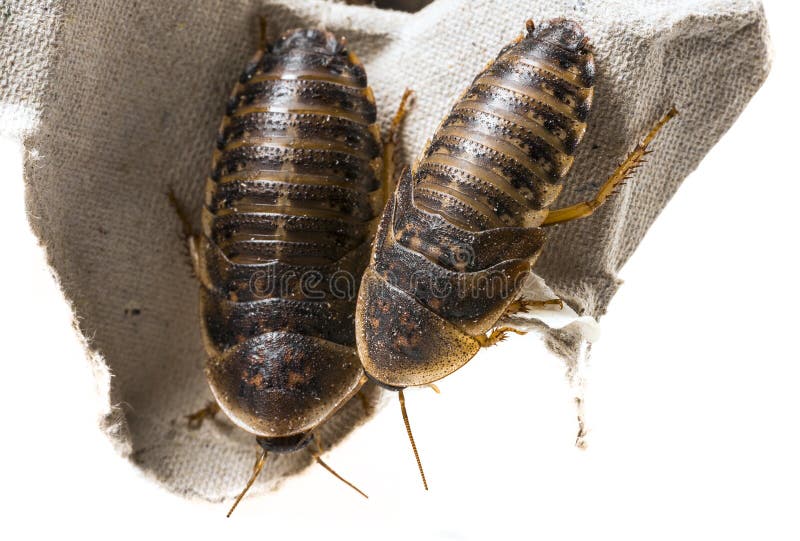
x,y
523,305
622,173
187,231
496,336
365,405
363,398
390,157
196,419
262,32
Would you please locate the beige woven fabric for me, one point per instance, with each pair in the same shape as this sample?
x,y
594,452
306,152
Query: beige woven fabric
x,y
120,100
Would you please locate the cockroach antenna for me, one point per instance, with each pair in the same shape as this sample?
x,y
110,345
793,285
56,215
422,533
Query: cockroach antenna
x,y
411,436
256,472
331,470
339,477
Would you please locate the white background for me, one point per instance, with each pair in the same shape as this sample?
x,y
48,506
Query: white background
x,y
692,395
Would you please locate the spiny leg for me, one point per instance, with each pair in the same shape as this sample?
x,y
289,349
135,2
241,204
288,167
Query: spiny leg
x,y
318,443
496,336
620,175
390,157
187,231
196,419
524,305
365,403
262,32
259,465
411,437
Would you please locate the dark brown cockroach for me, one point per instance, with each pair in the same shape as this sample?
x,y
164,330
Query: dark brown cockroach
x,y
298,180
466,223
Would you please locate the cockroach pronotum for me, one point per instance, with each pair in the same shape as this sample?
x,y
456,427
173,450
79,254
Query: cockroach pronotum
x,y
465,225
299,178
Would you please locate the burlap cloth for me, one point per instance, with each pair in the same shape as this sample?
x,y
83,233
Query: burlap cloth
x,y
119,100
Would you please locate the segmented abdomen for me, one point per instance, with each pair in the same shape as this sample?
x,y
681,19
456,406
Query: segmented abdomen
x,y
463,229
498,158
294,186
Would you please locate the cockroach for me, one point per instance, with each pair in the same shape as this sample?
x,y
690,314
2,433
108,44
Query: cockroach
x,y
298,180
466,223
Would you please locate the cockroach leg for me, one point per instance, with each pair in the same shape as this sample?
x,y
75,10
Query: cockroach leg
x,y
187,231
524,305
262,32
390,154
365,405
434,387
496,336
196,419
620,175
183,216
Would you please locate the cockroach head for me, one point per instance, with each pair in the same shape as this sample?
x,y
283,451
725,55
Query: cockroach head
x,y
287,444
309,39
570,47
564,33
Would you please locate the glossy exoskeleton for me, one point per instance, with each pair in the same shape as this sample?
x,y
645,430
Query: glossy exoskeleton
x,y
465,225
298,180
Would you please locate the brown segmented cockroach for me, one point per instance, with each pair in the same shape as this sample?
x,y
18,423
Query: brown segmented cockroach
x,y
465,225
299,178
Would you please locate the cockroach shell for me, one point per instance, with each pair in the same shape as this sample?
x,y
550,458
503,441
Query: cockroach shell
x,y
291,201
412,343
471,209
473,300
243,381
